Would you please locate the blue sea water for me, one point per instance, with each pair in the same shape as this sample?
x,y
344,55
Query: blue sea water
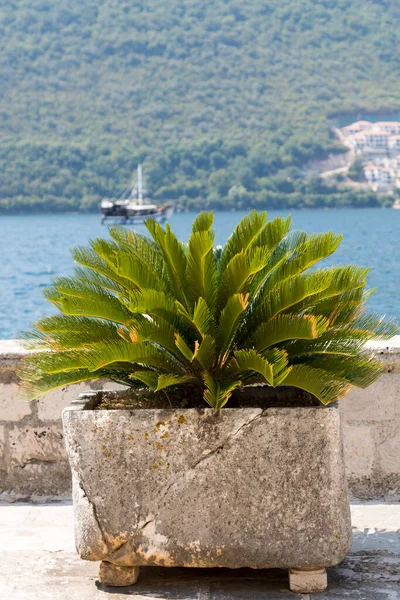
x,y
35,248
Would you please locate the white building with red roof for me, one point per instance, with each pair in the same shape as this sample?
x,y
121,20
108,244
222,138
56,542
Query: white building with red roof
x,y
379,144
391,127
380,177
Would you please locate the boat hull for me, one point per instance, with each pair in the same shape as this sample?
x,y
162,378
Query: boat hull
x,y
124,215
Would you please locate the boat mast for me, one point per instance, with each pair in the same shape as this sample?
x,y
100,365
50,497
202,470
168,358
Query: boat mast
x,y
140,185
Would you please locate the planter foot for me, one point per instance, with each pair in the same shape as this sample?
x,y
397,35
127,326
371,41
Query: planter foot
x,y
307,581
116,575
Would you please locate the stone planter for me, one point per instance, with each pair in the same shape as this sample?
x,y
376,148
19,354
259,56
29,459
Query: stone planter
x,y
245,487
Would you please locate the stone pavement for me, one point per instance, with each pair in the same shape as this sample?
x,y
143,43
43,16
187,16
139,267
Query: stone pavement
x,y
38,562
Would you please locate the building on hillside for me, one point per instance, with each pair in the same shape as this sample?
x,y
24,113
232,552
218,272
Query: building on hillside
x,y
356,127
394,143
392,163
381,178
370,141
378,147
391,127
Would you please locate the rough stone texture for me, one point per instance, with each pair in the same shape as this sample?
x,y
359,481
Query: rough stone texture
x,y
359,445
39,562
371,424
2,448
16,411
239,488
33,451
306,582
34,445
116,575
33,461
371,420
389,452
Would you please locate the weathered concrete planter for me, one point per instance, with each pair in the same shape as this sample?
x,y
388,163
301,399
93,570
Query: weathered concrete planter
x,y
193,488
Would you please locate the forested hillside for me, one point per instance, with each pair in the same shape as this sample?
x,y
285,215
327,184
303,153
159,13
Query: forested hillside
x,y
222,100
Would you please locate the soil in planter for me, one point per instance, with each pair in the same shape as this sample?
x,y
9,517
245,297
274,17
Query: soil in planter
x,y
190,396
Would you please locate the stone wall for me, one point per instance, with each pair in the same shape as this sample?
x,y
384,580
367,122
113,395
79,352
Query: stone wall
x,y
33,463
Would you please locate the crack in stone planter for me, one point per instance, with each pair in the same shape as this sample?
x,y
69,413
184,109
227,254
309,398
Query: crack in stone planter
x,y
244,487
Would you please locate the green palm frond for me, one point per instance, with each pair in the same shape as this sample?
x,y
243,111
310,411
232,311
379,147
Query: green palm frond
x,y
152,302
246,233
140,353
240,272
140,272
158,313
217,393
250,361
149,378
203,318
165,381
273,233
307,254
288,294
203,222
288,327
205,352
375,325
64,332
158,331
88,258
174,256
85,275
35,388
230,319
201,270
78,299
343,342
322,384
360,370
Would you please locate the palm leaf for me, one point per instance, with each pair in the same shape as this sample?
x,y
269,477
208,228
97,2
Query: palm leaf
x,y
203,221
87,276
246,233
273,233
288,327
143,354
183,347
203,319
201,270
64,332
205,352
288,294
139,272
158,331
165,381
217,393
152,302
75,298
250,360
88,258
239,273
360,370
48,382
376,325
312,250
230,320
174,258
318,382
149,378
344,342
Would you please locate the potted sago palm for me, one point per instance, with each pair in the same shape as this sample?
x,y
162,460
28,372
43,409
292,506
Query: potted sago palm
x,y
224,448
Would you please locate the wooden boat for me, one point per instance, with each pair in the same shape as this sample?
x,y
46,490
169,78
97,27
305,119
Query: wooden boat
x,y
134,208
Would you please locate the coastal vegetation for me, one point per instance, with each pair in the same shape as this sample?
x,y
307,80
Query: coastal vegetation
x,y
223,103
159,313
